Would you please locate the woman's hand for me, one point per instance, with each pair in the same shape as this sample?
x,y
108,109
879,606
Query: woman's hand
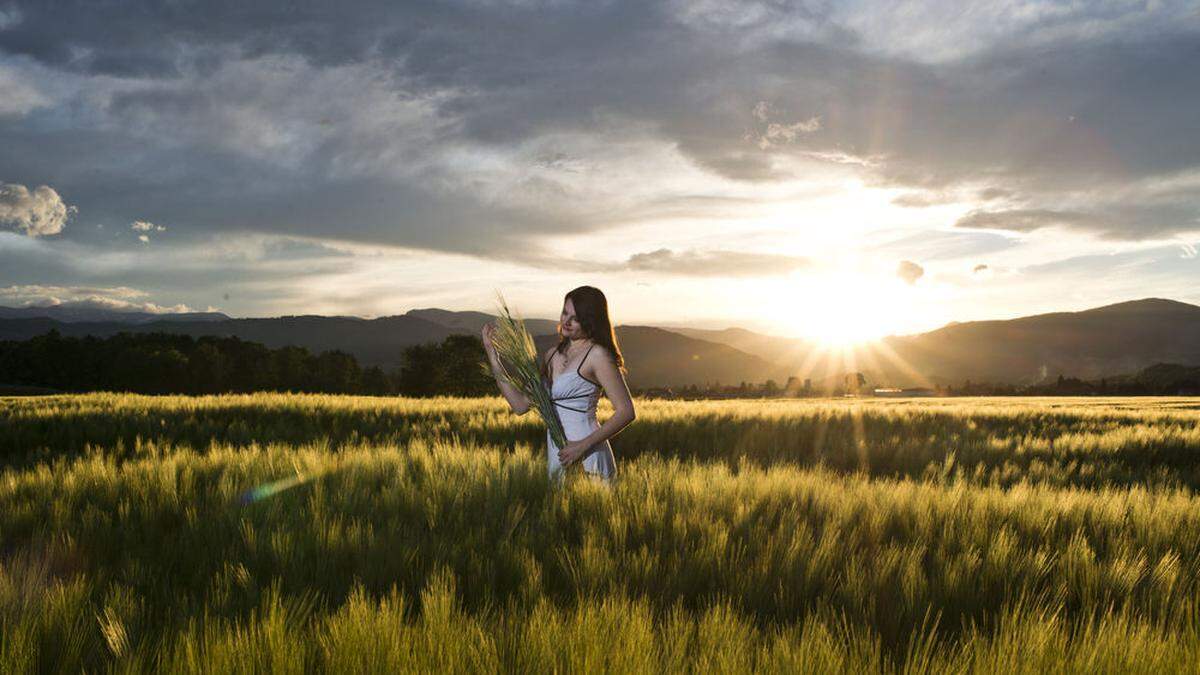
x,y
516,399
488,333
571,452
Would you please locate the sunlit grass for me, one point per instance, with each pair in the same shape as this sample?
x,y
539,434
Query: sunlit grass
x,y
384,534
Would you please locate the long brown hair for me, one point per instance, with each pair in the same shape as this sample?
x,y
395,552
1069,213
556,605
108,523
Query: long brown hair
x,y
591,310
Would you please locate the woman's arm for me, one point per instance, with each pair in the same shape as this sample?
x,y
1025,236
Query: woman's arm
x,y
606,373
516,399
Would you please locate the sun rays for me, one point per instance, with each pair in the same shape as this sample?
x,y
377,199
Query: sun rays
x,y
833,370
850,301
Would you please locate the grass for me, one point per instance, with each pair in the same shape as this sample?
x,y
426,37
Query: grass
x,y
279,533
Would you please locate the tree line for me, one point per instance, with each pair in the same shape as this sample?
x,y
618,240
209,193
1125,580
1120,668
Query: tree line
x,y
165,363
1160,379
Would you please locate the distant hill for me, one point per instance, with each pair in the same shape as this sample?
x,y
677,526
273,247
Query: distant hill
x,y
656,358
774,348
805,359
1102,342
472,322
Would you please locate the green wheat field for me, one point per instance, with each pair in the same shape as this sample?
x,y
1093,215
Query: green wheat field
x,y
308,533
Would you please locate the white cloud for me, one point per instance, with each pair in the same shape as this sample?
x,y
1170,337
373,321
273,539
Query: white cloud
x,y
116,305
144,226
779,133
910,271
27,292
36,213
115,298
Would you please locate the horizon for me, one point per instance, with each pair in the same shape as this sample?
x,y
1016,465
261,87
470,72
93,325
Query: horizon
x,y
667,325
838,173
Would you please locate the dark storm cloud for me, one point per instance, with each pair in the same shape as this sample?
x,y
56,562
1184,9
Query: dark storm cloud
x,y
988,194
1118,221
714,263
266,116
290,249
1024,220
175,270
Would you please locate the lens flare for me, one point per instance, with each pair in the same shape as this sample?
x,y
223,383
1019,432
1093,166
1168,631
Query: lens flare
x,y
261,492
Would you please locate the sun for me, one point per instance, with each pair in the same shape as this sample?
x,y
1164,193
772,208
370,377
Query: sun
x,y
839,321
842,309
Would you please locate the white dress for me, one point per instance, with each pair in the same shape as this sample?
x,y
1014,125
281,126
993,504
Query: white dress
x,y
575,398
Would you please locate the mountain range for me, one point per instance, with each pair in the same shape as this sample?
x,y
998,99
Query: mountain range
x,y
1101,342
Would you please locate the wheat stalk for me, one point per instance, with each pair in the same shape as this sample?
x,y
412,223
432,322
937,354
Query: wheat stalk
x,y
519,367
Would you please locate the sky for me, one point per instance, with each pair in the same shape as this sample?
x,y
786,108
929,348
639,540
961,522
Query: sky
x,y
839,170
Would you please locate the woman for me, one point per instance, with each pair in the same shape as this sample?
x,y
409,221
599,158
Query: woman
x,y
585,360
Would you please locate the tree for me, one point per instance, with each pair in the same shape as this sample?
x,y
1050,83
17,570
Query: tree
x,y
206,369
337,372
375,381
294,368
447,368
165,371
170,363
855,382
418,374
460,371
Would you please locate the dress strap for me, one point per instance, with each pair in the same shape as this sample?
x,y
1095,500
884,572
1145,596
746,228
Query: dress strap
x,y
585,355
580,365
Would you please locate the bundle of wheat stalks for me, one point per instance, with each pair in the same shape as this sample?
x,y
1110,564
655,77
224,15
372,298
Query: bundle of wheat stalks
x,y
519,367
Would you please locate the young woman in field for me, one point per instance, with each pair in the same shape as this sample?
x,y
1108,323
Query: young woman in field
x,y
585,361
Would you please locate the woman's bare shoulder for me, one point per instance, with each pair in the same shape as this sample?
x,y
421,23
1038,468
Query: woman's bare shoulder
x,y
600,352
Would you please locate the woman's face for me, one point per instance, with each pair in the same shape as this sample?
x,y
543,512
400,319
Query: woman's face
x,y
569,322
